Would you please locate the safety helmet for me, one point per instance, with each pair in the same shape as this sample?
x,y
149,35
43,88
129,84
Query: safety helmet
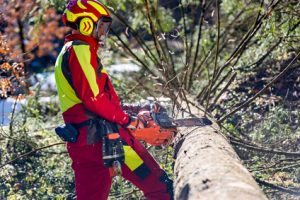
x,y
85,15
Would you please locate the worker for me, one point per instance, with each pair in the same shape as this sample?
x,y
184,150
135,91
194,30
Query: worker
x,y
87,99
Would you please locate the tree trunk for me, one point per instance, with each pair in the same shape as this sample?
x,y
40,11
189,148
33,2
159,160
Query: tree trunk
x,y
207,167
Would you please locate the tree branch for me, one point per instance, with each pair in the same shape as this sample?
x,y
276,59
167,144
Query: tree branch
x,y
29,153
294,191
261,91
211,82
140,41
203,9
263,150
136,57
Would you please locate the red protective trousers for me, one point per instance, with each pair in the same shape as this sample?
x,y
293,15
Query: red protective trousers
x,y
93,181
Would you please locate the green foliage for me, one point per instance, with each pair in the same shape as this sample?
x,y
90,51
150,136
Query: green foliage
x,y
47,174
123,4
42,174
277,129
276,126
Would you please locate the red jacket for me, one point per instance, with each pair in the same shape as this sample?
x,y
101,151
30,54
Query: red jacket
x,y
83,84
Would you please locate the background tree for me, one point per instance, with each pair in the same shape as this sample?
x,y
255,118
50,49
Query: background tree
x,y
34,32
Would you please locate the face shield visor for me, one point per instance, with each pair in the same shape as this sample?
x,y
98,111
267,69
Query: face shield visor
x,y
102,30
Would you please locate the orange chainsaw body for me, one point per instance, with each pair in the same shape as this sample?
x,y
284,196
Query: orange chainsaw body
x,y
153,133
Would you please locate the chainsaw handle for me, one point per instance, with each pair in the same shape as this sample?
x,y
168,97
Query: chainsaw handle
x,y
144,122
156,107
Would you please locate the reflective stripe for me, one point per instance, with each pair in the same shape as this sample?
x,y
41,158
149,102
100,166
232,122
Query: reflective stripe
x,y
83,55
98,7
72,17
132,159
67,95
81,5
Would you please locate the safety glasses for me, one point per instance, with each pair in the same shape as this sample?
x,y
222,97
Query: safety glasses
x,y
103,26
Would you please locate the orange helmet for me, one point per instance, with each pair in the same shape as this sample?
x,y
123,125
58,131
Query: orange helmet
x,y
85,15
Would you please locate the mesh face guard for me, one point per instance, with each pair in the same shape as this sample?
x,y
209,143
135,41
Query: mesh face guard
x,y
102,30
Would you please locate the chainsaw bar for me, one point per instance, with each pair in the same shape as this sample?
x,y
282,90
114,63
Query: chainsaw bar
x,y
164,121
189,122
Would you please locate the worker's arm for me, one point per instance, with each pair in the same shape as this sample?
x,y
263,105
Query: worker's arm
x,y
90,84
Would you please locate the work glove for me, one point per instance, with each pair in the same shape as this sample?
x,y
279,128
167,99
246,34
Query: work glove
x,y
156,107
135,123
145,114
152,106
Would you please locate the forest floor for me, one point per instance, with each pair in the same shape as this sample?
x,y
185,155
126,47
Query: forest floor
x,y
270,122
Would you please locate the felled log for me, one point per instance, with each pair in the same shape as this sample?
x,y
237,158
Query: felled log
x,y
207,167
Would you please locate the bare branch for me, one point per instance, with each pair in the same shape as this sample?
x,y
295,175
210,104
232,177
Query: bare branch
x,y
262,149
294,191
29,153
135,56
140,41
211,82
261,91
251,33
210,109
185,33
203,9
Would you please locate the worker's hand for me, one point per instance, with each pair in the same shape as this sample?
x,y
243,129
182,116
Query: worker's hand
x,y
156,107
153,106
135,124
145,115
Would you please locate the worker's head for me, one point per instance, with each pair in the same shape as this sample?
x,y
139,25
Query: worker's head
x,y
89,17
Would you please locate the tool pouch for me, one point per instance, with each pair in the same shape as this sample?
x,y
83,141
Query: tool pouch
x,y
96,131
112,146
67,133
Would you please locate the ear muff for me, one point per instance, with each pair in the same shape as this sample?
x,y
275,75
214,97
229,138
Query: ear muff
x,y
86,26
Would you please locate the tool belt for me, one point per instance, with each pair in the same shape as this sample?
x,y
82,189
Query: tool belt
x,y
69,132
98,129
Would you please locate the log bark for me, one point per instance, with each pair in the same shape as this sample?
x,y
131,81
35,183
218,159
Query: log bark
x,y
207,167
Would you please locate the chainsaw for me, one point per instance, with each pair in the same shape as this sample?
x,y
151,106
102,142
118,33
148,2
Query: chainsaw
x,y
160,128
